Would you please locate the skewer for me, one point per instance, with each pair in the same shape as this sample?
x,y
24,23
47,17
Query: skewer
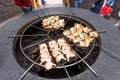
x,y
67,72
40,28
35,43
44,12
13,36
37,13
102,31
25,73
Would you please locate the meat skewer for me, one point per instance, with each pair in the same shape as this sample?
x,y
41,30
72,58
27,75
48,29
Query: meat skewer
x,y
65,48
81,35
55,51
53,22
45,56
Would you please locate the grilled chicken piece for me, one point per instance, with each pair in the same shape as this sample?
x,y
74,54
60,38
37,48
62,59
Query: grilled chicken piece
x,y
45,56
59,57
55,51
61,22
83,36
44,53
65,48
49,65
66,32
56,18
79,29
86,42
87,30
53,21
93,34
76,39
76,25
72,29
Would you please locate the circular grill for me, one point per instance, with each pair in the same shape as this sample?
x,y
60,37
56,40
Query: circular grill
x,y
74,66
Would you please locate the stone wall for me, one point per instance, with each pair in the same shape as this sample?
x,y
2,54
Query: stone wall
x,y
86,5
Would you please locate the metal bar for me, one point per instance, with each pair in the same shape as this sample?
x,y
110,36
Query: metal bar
x,y
110,53
40,28
25,73
102,31
66,21
48,35
35,43
13,36
44,12
91,69
69,18
67,73
37,13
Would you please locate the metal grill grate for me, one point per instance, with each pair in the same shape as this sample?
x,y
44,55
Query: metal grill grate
x,y
33,34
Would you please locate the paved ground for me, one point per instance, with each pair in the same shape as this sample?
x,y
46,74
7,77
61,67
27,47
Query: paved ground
x,y
8,9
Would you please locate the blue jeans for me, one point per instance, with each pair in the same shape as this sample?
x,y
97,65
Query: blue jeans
x,y
27,10
43,2
96,9
78,3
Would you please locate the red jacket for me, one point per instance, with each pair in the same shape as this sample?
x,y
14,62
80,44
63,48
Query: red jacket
x,y
22,3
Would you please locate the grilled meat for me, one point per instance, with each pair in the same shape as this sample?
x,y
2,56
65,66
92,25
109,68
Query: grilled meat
x,y
66,49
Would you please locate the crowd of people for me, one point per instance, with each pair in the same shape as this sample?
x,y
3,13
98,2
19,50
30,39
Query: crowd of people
x,y
102,7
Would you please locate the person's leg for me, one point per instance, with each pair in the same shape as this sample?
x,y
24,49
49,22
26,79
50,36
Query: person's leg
x,y
64,3
43,2
78,3
27,10
68,3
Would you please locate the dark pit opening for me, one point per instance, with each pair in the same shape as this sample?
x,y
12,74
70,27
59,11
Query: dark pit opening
x,y
32,29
